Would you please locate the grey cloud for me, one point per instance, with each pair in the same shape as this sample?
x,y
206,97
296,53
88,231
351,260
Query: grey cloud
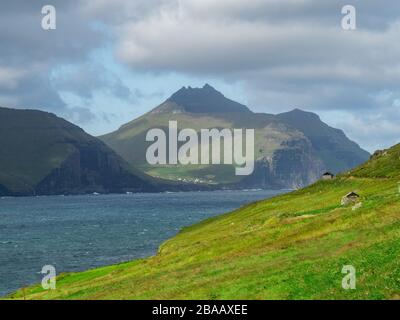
x,y
86,79
377,129
79,115
23,41
28,53
120,11
186,43
372,14
36,91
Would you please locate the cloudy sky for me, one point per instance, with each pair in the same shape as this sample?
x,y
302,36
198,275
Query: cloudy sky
x,y
110,61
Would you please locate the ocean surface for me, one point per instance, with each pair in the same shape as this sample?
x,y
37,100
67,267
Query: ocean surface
x,y
77,233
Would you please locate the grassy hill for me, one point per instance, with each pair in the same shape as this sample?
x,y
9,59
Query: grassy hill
x,y
290,247
291,149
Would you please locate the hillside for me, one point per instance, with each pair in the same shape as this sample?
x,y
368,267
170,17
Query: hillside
x,y
291,149
42,154
290,247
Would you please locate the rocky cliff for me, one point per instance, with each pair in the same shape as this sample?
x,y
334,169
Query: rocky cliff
x,y
293,166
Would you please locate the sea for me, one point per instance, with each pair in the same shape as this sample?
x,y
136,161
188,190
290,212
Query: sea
x,y
76,233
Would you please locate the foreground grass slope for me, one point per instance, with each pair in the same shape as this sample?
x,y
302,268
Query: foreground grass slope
x,y
291,247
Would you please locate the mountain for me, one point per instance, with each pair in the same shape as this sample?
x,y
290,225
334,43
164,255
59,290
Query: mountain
x,y
332,146
291,149
293,246
41,154
200,100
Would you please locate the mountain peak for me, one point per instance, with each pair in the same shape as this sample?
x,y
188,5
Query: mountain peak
x,y
299,115
297,110
195,92
202,100
208,87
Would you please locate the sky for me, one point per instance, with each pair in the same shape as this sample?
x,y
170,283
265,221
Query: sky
x,y
108,62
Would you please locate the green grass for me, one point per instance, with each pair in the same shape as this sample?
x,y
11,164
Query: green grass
x,y
290,247
385,166
209,174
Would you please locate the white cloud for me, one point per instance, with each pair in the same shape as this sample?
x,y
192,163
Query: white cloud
x,y
10,77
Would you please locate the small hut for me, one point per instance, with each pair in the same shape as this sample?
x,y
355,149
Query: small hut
x,y
328,176
350,198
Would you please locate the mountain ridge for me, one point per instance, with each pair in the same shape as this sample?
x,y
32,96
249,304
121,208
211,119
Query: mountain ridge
x,y
289,153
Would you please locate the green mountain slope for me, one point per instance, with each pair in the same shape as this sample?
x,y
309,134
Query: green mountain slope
x,y
291,150
290,247
43,154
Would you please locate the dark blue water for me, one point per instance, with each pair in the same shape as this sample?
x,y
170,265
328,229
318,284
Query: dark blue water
x,y
81,232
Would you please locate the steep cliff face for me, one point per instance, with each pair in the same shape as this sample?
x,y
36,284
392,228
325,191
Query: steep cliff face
x,y
293,166
41,154
296,167
91,168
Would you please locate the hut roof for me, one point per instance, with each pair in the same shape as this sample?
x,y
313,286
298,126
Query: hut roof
x,y
352,195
